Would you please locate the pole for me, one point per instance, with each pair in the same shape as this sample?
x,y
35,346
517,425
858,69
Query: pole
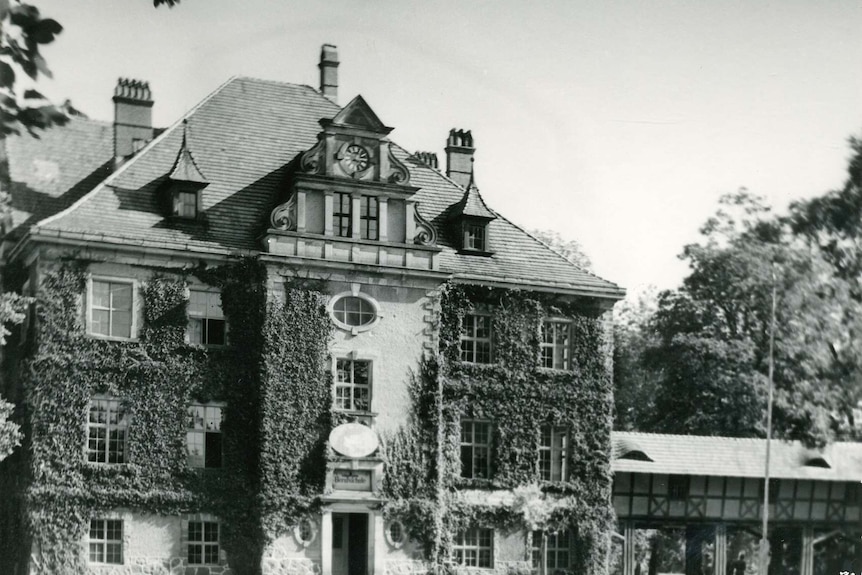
x,y
764,540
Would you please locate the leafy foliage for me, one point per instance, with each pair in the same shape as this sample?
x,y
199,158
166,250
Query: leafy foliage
x,y
22,31
156,377
833,222
572,250
708,342
519,397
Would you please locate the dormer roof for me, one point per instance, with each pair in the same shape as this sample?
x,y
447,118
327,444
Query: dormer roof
x,y
472,204
185,169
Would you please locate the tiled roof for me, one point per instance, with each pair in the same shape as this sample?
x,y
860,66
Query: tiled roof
x,y
734,457
243,137
51,170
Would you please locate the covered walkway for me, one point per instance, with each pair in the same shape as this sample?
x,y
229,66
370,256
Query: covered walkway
x,y
707,494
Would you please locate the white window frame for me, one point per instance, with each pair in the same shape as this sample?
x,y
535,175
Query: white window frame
x,y
108,427
191,432
355,291
204,317
351,385
105,542
559,542
475,447
471,553
133,329
203,543
560,352
471,355
553,453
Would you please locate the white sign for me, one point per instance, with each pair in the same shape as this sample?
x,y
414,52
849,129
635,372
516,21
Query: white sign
x,y
349,480
354,440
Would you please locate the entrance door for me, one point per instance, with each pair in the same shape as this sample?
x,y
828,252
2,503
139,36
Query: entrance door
x,y
349,544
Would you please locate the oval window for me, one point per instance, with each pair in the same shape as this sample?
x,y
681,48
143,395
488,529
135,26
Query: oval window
x,y
354,311
305,531
395,534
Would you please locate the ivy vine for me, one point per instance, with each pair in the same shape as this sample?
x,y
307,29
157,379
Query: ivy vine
x,y
519,397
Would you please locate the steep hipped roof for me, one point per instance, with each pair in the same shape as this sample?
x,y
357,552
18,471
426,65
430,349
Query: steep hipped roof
x,y
49,171
245,134
736,457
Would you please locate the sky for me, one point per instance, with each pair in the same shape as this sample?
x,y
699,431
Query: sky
x,y
616,124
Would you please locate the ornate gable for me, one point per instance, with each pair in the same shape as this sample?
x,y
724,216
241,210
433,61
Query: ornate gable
x,y
350,199
354,145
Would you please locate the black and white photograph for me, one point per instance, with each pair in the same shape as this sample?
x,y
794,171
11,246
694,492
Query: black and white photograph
x,y
475,287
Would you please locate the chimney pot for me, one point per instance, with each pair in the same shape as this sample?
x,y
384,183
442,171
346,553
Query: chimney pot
x,y
133,116
329,71
459,156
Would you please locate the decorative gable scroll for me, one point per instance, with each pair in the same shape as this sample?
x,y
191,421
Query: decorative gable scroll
x,y
354,145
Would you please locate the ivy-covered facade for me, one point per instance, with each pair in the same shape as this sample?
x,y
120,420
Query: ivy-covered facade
x,y
271,341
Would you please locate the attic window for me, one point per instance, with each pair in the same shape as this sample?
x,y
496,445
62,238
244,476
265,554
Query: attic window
x,y
185,203
817,461
475,236
635,455
628,449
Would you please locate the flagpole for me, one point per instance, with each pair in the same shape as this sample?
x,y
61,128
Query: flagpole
x,y
764,541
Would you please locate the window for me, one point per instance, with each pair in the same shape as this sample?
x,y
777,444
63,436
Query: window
x,y
207,325
555,344
395,534
474,237
368,218
553,453
203,544
203,436
352,385
111,309
186,204
353,311
677,487
106,431
559,549
106,541
476,339
475,449
306,531
474,548
342,215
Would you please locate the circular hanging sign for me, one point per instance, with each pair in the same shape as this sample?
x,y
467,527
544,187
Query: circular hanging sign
x,y
354,440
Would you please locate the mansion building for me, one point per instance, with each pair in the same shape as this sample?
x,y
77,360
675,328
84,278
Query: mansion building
x,y
267,339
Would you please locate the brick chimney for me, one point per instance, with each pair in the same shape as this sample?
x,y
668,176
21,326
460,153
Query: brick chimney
x,y
329,72
459,156
133,117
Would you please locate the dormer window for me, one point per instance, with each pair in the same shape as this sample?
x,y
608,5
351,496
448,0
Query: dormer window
x,y
474,236
185,183
472,217
185,203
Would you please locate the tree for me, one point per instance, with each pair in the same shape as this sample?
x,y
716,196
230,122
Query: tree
x,y
569,249
22,32
711,346
833,222
635,385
